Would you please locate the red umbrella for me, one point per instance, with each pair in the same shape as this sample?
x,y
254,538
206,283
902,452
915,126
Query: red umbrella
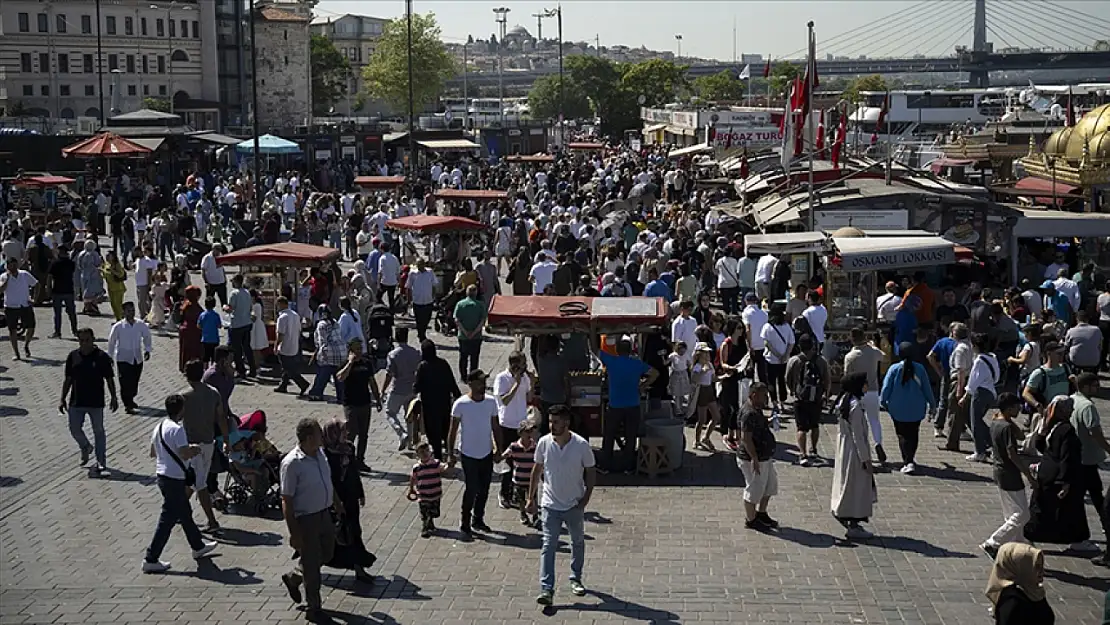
x,y
105,145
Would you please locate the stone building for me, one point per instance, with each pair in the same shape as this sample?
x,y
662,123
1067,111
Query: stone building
x,y
355,37
284,70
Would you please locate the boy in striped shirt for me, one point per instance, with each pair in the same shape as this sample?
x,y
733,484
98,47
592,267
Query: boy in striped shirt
x,y
426,487
521,455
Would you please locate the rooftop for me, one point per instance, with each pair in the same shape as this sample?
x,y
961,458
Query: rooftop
x,y
272,14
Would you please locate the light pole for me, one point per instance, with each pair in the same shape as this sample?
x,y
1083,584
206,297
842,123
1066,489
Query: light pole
x,y
502,14
412,104
558,12
100,64
678,38
466,100
256,195
169,46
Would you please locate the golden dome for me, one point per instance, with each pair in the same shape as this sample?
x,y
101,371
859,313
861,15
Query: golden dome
x,y
1055,144
849,232
1099,148
1088,131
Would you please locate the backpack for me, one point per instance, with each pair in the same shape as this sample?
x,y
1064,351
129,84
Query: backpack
x,y
809,388
1039,392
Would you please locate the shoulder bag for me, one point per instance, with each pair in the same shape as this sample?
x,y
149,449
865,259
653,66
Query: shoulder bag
x,y
190,472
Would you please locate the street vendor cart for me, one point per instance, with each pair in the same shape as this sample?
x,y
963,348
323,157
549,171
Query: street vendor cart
x,y
520,316
38,195
269,268
455,234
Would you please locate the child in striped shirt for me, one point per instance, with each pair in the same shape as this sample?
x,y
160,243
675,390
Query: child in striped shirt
x,y
426,487
521,454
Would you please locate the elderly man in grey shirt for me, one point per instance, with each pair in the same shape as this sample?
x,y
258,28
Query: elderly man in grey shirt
x,y
306,497
400,375
239,304
1084,343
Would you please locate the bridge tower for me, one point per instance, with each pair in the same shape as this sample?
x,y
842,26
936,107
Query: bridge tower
x,y
979,51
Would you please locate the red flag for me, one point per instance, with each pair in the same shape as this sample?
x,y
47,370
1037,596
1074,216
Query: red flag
x,y
767,68
745,169
882,111
838,142
1069,115
874,138
821,133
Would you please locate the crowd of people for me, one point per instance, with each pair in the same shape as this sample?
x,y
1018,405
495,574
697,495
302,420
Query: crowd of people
x,y
746,351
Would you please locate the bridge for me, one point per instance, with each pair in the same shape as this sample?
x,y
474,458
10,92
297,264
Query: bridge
x,y
1027,35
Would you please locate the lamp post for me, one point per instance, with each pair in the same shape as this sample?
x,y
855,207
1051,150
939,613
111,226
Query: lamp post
x,y
502,19
558,12
466,100
169,46
255,195
412,103
100,64
678,38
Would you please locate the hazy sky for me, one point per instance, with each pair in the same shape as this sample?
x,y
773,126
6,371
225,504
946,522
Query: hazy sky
x,y
777,28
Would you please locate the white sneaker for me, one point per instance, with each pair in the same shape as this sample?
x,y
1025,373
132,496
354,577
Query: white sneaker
x,y
976,458
804,461
155,567
209,547
909,468
937,433
1084,546
857,532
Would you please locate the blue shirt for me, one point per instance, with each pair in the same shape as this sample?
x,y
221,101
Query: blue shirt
x,y
943,349
907,402
624,373
210,324
1061,306
905,327
241,303
372,263
658,288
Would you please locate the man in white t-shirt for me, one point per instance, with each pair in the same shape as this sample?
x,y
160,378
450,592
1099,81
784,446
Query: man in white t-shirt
x,y
512,388
476,414
683,327
16,286
816,315
727,269
145,266
289,207
542,273
886,305
754,319
764,271
215,278
378,220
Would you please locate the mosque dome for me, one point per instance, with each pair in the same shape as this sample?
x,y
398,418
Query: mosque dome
x,y
1091,130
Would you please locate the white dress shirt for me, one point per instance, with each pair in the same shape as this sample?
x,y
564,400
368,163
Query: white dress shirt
x,y
213,273
422,284
984,374
682,329
765,268
389,269
289,327
129,341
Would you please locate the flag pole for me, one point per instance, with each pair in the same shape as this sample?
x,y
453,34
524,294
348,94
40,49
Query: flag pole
x,y
811,65
889,141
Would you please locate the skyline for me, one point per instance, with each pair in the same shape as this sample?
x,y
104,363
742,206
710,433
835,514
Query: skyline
x,y
762,27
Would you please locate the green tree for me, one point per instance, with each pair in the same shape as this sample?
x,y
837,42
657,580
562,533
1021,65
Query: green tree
x,y
719,86
659,81
386,75
874,82
330,73
543,99
597,77
157,104
781,74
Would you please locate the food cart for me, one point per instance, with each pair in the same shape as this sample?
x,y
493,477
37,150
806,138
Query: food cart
x,y
38,195
520,316
268,268
453,232
372,184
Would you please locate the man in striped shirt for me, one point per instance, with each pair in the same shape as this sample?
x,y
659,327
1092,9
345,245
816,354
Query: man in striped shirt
x,y
426,487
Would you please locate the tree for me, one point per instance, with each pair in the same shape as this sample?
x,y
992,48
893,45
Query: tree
x,y
18,109
719,86
781,75
874,82
157,104
386,75
330,74
543,99
659,81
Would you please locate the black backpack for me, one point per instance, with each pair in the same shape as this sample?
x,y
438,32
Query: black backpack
x,y
810,388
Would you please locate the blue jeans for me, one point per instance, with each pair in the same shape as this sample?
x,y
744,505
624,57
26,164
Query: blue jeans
x,y
175,510
64,300
323,374
76,429
553,521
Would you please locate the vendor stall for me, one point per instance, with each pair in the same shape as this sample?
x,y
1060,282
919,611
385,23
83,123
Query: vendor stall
x,y
590,316
379,183
530,158
453,244
38,195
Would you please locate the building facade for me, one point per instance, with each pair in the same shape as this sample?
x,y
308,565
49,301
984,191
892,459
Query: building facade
x,y
355,37
284,69
148,49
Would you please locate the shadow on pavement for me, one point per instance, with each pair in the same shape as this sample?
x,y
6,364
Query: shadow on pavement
x,y
948,472
36,361
395,587
12,411
207,569
8,482
244,538
925,548
615,605
115,475
1101,584
807,538
346,618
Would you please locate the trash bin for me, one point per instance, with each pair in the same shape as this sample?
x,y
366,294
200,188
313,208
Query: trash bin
x,y
674,432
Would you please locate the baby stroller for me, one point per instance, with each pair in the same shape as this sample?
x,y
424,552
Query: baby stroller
x,y
445,312
253,476
379,331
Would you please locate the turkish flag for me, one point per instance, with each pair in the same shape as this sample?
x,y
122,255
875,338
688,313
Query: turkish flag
x,y
767,68
821,133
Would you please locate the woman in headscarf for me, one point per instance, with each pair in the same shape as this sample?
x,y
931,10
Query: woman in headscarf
x,y
1056,510
115,276
1016,587
907,393
188,332
350,552
853,488
519,270
433,377
89,278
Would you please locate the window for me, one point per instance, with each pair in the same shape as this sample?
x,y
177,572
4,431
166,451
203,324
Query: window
x,y
63,90
44,90
110,25
196,29
130,63
90,90
161,89
24,24
146,89
184,29
113,62
111,90
87,63
129,26
63,63
287,60
146,65
25,62
173,28
161,64
160,27
44,23
86,24
28,90
44,62
132,90
142,26
60,23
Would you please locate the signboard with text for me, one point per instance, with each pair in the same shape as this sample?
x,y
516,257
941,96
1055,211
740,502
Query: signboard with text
x,y
898,259
829,220
725,137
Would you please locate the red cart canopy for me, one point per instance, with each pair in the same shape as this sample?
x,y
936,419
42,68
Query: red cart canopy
x,y
585,146
434,224
39,182
281,254
379,181
529,158
540,314
107,145
472,194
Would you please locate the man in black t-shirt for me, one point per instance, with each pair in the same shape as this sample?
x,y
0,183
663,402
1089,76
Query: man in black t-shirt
x,y
87,370
61,276
360,395
755,459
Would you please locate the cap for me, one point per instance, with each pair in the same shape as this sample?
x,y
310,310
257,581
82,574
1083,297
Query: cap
x,y
476,375
751,297
1048,284
702,347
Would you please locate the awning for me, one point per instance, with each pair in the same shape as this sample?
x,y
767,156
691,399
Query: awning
x,y
699,148
379,181
151,143
882,253
785,243
653,128
280,255
1030,183
531,315
944,161
390,137
216,138
1036,223
449,145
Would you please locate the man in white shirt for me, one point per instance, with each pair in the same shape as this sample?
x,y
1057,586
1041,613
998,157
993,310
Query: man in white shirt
x,y
764,271
542,273
169,446
816,315
145,266
16,285
980,394
682,328
421,284
1034,300
886,305
378,220
754,319
129,344
512,388
727,269
289,207
389,273
215,278
1068,287
476,414
287,346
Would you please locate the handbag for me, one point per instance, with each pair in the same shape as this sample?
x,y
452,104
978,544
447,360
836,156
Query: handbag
x,y
190,472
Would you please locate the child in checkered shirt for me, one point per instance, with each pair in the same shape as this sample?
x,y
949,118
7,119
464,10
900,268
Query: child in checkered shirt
x,y
426,487
521,455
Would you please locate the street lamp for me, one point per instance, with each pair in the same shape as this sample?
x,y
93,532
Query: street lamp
x,y
502,19
678,38
412,104
256,195
100,64
558,11
169,45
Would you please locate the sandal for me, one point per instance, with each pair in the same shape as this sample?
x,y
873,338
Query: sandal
x,y
708,445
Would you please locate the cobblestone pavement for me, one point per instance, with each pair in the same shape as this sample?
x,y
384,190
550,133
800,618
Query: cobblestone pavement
x,y
666,550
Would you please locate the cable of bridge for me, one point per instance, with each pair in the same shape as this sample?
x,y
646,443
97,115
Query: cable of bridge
x,y
841,38
941,30
1101,21
990,29
1018,39
1039,24
961,37
1078,29
903,31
